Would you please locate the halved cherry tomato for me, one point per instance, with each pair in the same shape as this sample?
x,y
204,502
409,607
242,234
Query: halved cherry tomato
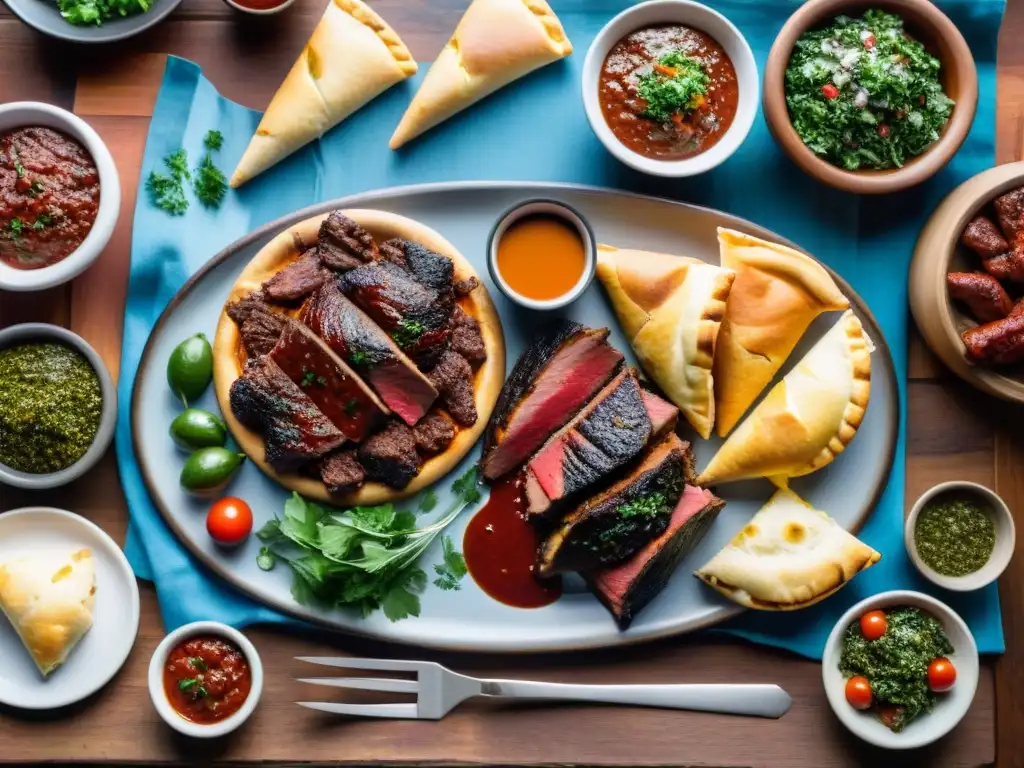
x,y
941,675
873,625
870,42
829,90
229,521
858,692
889,714
883,131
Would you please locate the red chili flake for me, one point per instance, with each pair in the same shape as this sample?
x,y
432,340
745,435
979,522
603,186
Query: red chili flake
x,y
829,90
869,42
883,131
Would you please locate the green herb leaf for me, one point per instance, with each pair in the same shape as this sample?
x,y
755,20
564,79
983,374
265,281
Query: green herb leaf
x,y
428,500
467,487
677,85
451,571
211,186
42,222
198,663
307,379
408,333
15,227
95,12
214,140
351,407
36,188
266,559
167,191
357,358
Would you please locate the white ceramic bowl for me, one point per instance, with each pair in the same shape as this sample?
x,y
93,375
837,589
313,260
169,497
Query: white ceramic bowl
x,y
259,11
156,680
700,17
1001,553
950,708
21,114
44,332
553,208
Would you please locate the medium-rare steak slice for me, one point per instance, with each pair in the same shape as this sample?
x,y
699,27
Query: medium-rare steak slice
x,y
343,244
390,455
611,526
294,430
553,378
629,586
357,340
297,280
341,471
328,381
409,312
609,432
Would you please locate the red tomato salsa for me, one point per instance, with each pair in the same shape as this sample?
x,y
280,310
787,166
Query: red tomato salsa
x,y
49,196
206,679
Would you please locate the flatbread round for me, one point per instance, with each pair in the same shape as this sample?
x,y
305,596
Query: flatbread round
x,y
279,253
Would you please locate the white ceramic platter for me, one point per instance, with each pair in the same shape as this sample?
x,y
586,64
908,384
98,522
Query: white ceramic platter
x,y
469,620
103,650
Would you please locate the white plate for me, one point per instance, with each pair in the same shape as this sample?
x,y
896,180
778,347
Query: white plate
x,y
103,650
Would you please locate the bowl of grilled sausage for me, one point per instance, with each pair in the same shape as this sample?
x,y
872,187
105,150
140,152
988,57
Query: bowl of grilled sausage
x,y
967,281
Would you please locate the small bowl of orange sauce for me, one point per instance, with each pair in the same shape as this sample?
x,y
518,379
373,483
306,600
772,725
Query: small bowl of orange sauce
x,y
542,254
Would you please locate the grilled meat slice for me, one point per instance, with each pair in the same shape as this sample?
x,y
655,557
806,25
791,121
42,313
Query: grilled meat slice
x,y
344,244
390,455
240,310
466,287
1010,211
409,312
430,268
611,526
294,430
357,340
984,238
393,250
466,338
553,378
341,472
261,330
297,280
453,379
626,588
434,432
328,381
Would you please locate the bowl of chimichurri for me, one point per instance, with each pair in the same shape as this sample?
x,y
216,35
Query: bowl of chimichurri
x,y
870,97
960,535
58,406
900,669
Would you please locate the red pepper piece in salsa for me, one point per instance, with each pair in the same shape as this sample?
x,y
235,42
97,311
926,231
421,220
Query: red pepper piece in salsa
x,y
206,679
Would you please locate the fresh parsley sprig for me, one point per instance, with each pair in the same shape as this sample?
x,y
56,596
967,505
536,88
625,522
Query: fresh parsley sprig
x,y
167,190
450,572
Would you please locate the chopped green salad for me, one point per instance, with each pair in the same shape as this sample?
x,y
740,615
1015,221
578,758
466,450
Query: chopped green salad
x,y
863,94
95,12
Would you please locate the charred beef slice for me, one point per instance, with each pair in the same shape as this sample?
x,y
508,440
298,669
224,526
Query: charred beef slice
x,y
466,287
240,310
261,330
984,238
626,588
434,432
466,338
393,250
554,377
609,432
335,388
409,312
453,379
612,525
390,455
357,340
1010,211
343,244
297,280
341,472
294,430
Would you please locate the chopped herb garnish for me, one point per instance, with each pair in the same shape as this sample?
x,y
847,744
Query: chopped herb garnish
x,y
308,377
452,569
198,663
407,333
676,85
357,358
351,407
214,140
210,183
15,227
36,187
193,685
167,191
19,168
42,221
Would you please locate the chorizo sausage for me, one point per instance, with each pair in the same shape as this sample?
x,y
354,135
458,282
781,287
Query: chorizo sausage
x,y
984,238
999,342
982,294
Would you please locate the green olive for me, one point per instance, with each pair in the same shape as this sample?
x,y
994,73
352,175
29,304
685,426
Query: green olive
x,y
190,368
210,469
195,428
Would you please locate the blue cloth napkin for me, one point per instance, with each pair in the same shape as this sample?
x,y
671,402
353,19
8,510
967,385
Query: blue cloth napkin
x,y
536,130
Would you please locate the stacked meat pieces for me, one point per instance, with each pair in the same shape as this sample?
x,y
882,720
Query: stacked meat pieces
x,y
999,339
360,361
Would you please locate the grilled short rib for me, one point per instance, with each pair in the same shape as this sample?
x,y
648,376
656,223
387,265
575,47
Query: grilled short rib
x,y
390,455
553,378
357,340
341,472
612,525
297,280
342,244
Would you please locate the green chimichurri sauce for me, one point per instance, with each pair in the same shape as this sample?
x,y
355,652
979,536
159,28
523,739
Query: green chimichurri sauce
x,y
896,664
50,406
954,535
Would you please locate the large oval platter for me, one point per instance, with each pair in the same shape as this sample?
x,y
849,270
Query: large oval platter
x,y
469,620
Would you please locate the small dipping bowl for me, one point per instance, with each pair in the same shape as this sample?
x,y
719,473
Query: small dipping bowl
x,y
545,208
269,10
1005,533
156,680
28,333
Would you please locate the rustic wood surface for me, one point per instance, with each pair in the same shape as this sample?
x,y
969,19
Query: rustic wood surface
x,y
953,433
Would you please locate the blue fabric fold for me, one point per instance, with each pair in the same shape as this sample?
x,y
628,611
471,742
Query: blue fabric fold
x,y
536,130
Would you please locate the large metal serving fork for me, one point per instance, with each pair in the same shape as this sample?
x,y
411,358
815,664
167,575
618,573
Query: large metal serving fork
x,y
439,690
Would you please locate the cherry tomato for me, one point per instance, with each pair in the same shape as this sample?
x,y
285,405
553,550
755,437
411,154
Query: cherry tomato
x,y
941,675
870,42
229,521
873,625
858,692
829,90
883,131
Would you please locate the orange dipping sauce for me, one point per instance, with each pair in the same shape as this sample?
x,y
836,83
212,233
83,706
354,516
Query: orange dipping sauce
x,y
541,256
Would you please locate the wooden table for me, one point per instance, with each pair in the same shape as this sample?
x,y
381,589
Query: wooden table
x,y
954,432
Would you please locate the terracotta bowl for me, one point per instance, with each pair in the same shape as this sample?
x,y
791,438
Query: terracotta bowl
x,y
939,252
959,78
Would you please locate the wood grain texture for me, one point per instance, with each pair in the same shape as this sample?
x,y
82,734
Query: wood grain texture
x,y
953,433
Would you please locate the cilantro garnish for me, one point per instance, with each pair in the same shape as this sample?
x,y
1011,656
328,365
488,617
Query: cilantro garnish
x,y
676,85
452,569
214,140
42,221
210,183
167,191
408,332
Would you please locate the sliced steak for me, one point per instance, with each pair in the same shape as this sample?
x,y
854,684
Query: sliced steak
x,y
294,430
466,338
430,268
297,280
984,238
390,455
394,251
344,244
240,310
261,330
611,526
663,414
626,588
1010,212
453,379
409,312
335,388
434,432
357,340
553,378
341,472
